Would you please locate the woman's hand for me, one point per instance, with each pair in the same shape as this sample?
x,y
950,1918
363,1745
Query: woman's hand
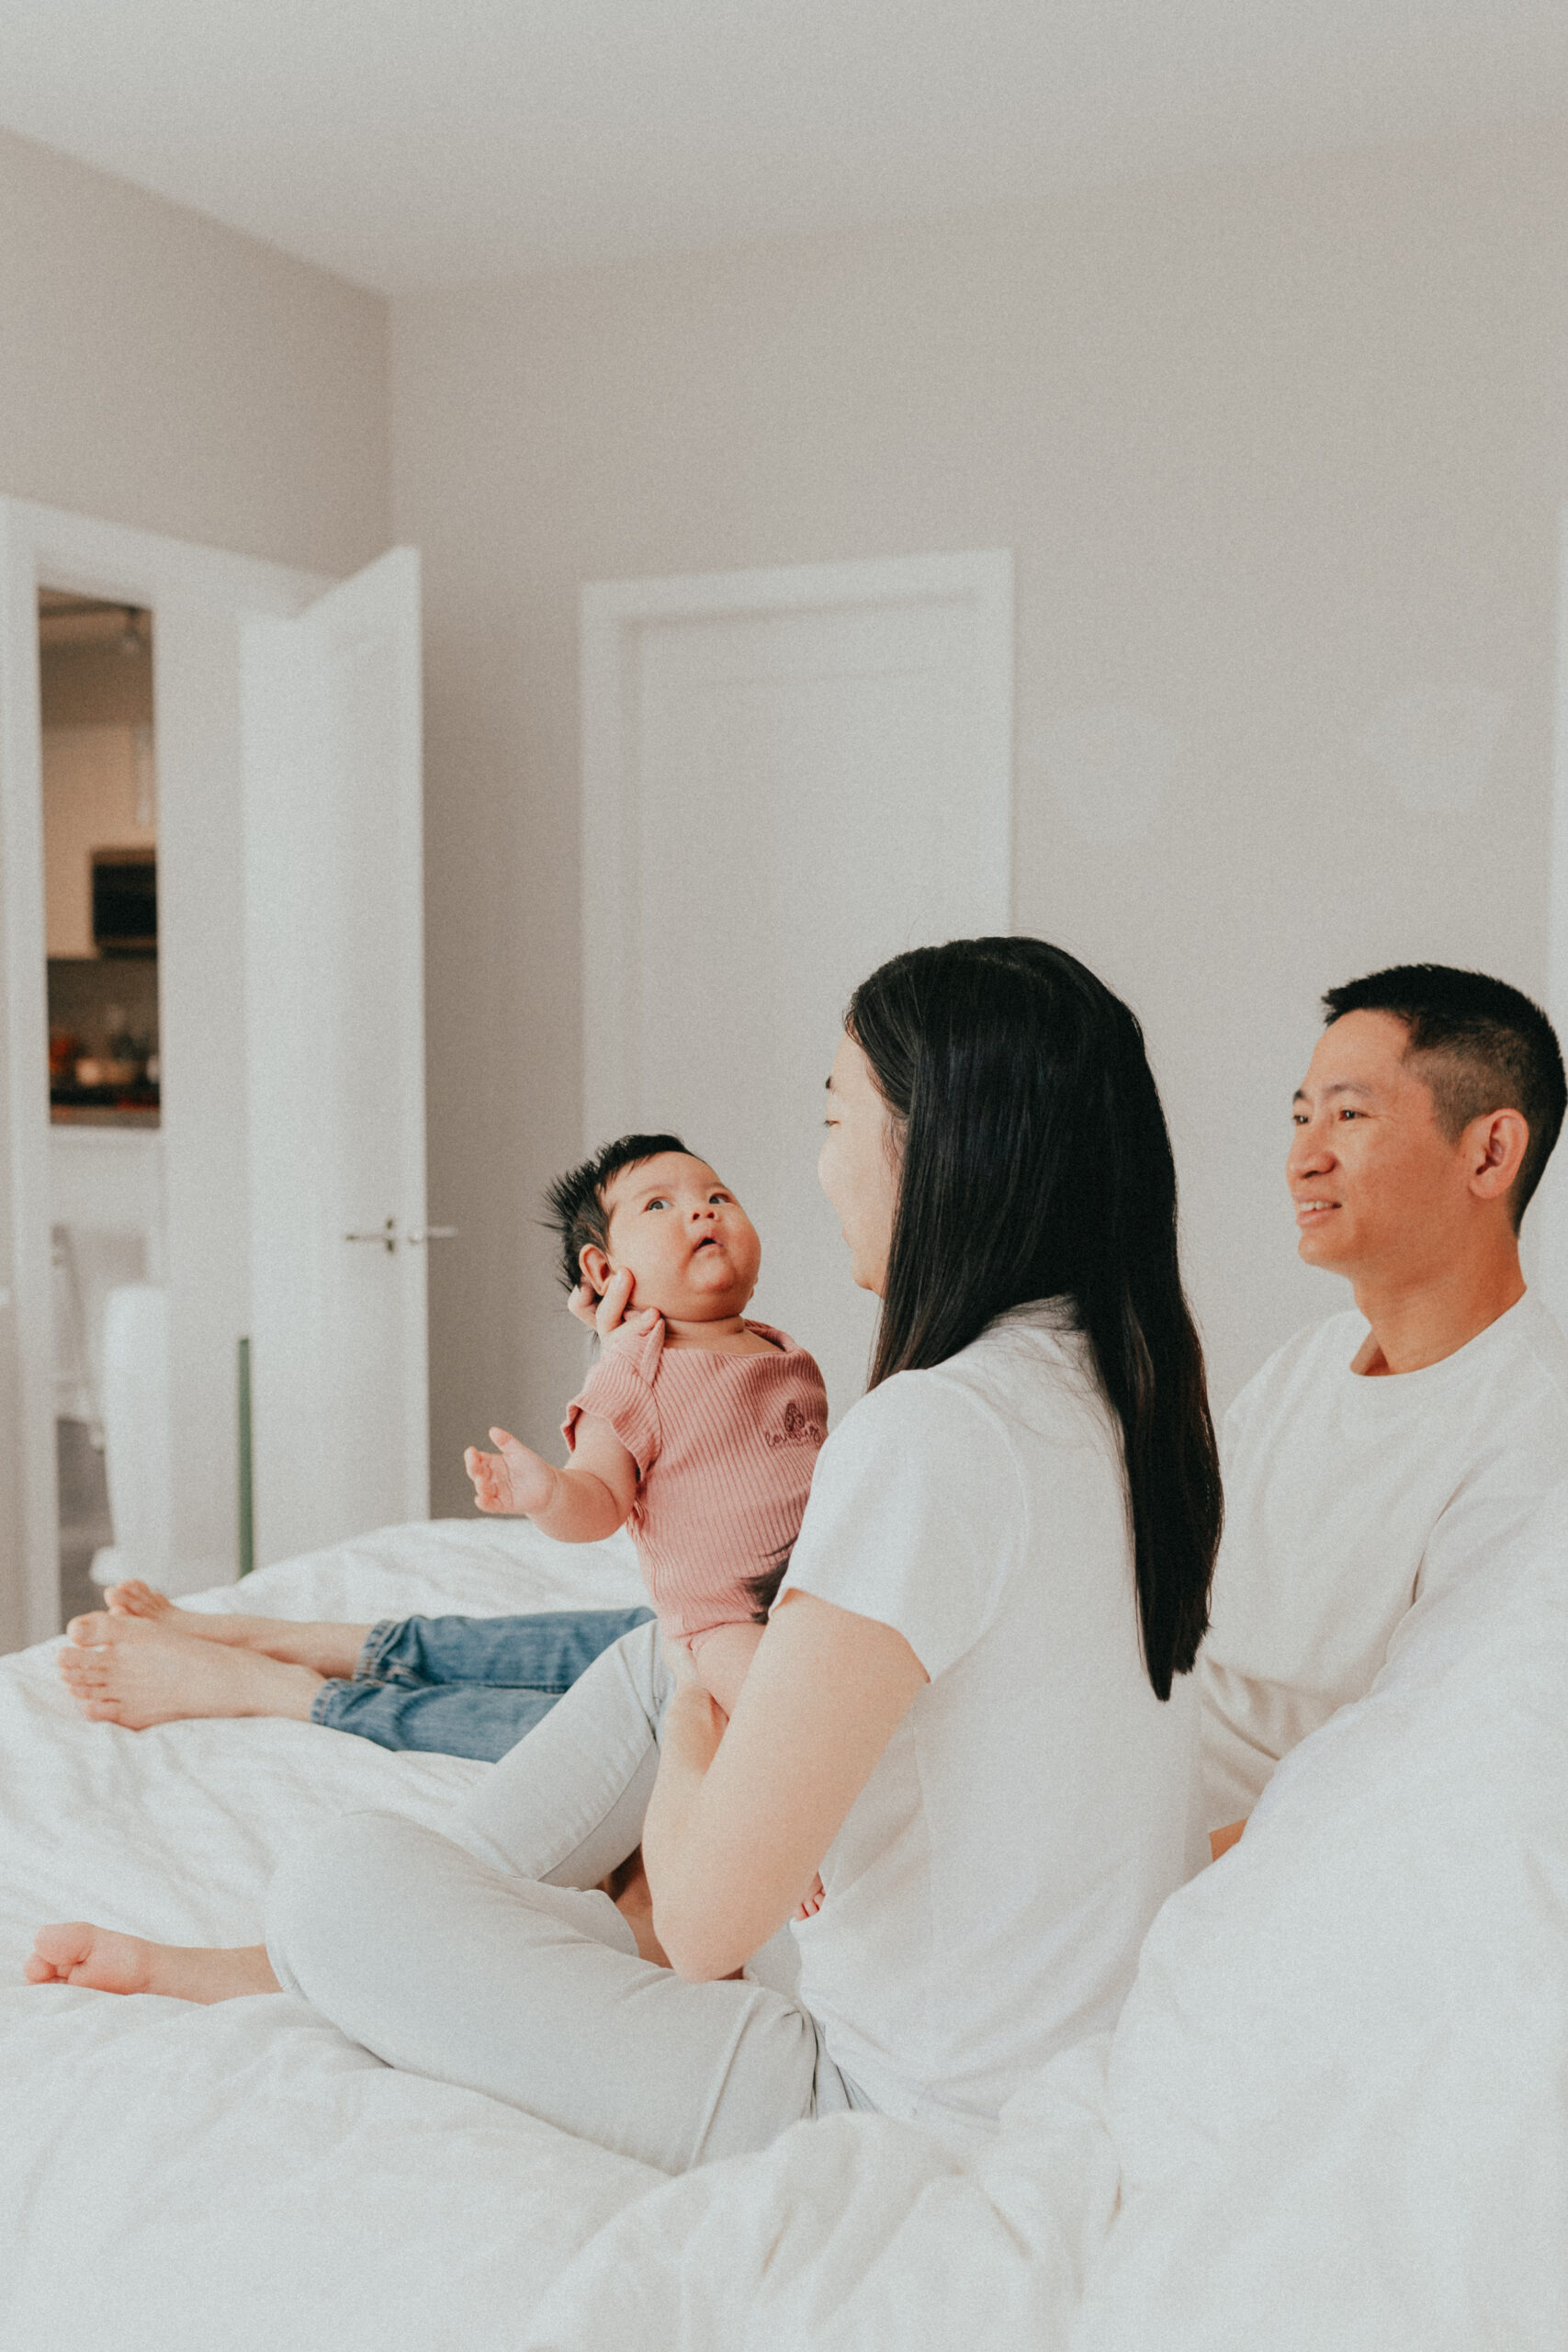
x,y
681,1664
742,1813
607,1315
604,1313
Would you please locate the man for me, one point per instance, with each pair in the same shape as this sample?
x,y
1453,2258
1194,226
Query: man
x,y
1400,1444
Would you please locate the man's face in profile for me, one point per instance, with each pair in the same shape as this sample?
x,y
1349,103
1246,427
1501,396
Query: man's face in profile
x,y
1377,1184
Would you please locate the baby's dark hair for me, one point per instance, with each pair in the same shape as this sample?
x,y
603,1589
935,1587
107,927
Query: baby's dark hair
x,y
576,1200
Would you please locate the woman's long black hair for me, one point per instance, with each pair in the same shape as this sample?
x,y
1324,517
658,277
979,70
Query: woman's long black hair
x,y
1036,1164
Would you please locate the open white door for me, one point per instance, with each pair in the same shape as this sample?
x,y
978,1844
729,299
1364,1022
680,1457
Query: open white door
x,y
201,599
334,963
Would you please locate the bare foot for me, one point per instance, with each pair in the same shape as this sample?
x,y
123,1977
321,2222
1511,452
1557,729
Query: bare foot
x,y
166,1678
106,1962
135,1612
134,1599
98,1628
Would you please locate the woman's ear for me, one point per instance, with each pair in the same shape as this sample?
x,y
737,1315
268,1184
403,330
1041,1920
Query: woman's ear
x,y
596,1267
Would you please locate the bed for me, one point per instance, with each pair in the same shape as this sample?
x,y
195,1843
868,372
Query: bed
x,y
1334,2110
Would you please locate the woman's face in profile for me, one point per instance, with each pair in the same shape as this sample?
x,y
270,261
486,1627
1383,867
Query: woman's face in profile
x,y
859,1165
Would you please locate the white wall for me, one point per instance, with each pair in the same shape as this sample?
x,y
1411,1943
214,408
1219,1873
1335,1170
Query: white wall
x,y
1275,451
159,371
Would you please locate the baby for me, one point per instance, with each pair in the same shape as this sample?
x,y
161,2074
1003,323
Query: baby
x,y
697,1428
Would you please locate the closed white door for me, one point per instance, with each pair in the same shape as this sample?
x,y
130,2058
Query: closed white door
x,y
789,777
336,1062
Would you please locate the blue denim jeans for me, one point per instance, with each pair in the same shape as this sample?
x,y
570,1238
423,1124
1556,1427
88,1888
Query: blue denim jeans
x,y
466,1686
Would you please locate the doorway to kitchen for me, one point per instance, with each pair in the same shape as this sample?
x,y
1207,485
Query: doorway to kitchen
x,y
283,894
106,1189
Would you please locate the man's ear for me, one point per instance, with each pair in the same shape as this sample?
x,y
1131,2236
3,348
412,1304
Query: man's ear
x,y
1496,1143
596,1267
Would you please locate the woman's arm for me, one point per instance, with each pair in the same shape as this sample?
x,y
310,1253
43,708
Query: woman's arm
x,y
742,1819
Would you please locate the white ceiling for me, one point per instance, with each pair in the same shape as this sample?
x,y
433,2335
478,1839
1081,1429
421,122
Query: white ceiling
x,y
410,143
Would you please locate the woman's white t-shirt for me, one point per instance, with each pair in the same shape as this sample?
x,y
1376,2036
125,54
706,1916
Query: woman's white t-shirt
x,y
987,1896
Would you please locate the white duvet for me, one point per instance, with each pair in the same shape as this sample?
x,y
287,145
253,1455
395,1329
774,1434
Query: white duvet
x,y
1334,2114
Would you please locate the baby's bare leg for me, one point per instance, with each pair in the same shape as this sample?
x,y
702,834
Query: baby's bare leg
x,y
723,1659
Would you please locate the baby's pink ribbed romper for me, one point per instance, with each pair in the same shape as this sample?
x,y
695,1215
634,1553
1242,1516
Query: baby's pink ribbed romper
x,y
725,1446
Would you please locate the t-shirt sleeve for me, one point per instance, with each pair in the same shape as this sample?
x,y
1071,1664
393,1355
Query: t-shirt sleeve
x,y
916,1514
620,1393
1499,1495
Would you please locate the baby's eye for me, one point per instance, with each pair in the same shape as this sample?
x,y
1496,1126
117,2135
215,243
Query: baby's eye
x,y
654,1204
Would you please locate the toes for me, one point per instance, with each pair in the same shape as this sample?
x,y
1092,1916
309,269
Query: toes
x,y
134,1599
89,1631
83,1666
99,1710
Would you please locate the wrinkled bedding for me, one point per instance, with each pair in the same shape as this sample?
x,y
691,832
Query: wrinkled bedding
x,y
242,2176
1334,2110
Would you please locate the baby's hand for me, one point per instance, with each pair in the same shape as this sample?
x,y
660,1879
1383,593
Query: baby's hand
x,y
513,1483
811,1902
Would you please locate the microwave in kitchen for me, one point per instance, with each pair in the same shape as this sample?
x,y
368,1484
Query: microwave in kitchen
x,y
125,902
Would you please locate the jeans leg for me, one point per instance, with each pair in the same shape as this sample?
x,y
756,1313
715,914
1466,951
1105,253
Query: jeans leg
x,y
467,1686
545,1651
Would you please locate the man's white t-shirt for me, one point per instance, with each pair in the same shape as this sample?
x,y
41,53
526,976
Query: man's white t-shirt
x,y
1348,1501
987,1896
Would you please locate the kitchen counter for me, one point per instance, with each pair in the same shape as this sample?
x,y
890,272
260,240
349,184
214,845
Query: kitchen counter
x,y
146,1116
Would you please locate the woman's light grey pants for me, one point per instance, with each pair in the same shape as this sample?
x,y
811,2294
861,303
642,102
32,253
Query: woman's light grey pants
x,y
487,1956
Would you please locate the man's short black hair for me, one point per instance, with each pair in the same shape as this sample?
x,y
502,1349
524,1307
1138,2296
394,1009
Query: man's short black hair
x,y
1483,1046
576,1200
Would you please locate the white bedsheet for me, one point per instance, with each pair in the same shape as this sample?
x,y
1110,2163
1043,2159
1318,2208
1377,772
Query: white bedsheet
x,y
1335,2111
242,2177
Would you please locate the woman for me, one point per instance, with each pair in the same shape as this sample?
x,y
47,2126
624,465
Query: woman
x,y
964,1713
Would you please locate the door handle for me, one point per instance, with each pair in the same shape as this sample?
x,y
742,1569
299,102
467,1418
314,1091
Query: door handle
x,y
432,1233
386,1237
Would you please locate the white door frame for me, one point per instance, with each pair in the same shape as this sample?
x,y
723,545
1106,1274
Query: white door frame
x,y
1550,1212
44,545
611,612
